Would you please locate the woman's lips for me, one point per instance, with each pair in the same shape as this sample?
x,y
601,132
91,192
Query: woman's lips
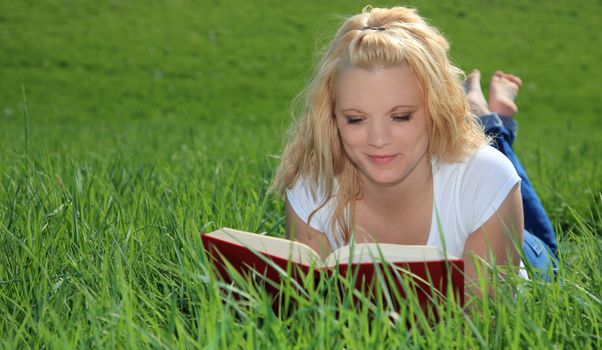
x,y
382,159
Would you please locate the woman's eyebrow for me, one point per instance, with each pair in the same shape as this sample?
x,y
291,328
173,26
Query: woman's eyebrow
x,y
352,110
402,106
347,110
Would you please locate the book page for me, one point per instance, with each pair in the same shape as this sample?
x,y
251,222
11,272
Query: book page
x,y
274,246
368,252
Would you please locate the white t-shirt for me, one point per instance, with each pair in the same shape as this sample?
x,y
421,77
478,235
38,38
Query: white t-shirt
x,y
465,195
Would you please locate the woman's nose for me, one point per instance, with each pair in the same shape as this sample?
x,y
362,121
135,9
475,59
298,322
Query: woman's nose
x,y
379,134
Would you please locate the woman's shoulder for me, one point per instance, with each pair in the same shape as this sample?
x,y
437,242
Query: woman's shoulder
x,y
486,162
491,166
304,190
306,199
488,155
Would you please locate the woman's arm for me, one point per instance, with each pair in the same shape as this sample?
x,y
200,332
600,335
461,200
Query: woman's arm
x,y
300,231
495,241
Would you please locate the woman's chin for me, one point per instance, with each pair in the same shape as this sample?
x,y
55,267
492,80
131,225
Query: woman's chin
x,y
385,179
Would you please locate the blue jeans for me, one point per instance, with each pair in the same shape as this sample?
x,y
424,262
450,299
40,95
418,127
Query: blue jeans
x,y
540,245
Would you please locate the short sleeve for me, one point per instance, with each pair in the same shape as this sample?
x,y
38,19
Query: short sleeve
x,y
486,183
304,204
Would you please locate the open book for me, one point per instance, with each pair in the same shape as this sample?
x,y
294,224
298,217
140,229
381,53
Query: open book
x,y
262,254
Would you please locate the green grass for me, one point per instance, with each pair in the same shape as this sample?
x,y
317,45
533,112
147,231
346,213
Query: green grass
x,y
149,122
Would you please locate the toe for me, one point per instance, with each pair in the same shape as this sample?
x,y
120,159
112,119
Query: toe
x,y
515,79
473,75
474,78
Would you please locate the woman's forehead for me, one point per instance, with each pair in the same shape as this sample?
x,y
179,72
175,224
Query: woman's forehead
x,y
377,88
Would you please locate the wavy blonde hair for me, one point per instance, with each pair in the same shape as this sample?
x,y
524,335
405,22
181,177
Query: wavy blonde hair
x,y
386,38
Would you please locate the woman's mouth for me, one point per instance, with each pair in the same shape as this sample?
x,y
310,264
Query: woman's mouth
x,y
381,159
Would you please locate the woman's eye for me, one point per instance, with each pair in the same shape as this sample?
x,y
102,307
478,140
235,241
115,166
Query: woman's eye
x,y
353,120
402,118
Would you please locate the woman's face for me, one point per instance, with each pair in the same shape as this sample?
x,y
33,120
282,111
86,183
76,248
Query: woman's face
x,y
381,118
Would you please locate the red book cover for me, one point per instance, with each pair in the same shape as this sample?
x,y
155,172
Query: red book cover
x,y
422,270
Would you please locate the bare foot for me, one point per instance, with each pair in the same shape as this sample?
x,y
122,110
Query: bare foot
x,y
502,93
474,94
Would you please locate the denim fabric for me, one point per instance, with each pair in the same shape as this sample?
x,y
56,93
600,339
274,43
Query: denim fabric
x,y
543,264
537,224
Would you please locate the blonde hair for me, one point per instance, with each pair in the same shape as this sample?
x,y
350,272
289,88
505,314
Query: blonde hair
x,y
385,38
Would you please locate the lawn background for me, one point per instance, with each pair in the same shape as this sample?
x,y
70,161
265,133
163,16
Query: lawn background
x,y
146,122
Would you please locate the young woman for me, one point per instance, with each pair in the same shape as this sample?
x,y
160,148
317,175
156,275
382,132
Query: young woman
x,y
388,149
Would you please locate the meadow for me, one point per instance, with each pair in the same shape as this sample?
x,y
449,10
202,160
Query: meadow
x,y
129,127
